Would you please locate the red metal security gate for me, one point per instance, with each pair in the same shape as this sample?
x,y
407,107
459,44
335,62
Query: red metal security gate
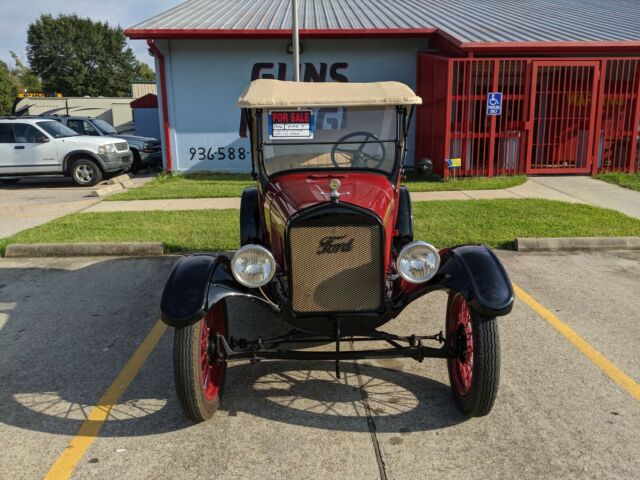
x,y
619,124
487,145
578,115
563,116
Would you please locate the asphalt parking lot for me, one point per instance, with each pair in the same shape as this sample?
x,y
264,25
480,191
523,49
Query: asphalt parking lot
x,y
69,326
37,200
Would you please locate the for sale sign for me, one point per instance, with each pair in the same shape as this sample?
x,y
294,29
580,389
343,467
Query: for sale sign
x,y
293,124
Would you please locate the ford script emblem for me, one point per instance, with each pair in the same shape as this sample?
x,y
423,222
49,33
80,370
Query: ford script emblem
x,y
333,244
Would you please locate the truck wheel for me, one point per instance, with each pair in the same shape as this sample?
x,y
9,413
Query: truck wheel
x,y
137,162
474,373
199,382
86,173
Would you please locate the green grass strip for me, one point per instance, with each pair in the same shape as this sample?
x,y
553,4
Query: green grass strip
x,y
212,185
498,222
444,223
188,186
417,183
626,180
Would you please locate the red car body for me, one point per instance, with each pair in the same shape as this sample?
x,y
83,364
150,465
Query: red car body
x,y
289,194
331,242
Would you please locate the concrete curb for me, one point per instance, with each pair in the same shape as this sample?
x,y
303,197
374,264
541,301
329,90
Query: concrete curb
x,y
137,249
114,184
569,244
125,177
106,190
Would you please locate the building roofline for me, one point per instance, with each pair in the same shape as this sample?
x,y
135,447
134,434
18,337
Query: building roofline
x,y
273,33
454,43
555,46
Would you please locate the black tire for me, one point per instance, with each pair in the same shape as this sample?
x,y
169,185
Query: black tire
x,y
188,371
9,181
136,165
85,173
477,399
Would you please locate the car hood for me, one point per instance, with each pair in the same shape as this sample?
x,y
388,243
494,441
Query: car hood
x,y
298,191
136,138
92,140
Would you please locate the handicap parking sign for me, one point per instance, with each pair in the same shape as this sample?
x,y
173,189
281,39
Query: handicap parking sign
x,y
494,103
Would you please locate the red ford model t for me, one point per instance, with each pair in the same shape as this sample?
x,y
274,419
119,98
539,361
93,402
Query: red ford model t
x,y
327,242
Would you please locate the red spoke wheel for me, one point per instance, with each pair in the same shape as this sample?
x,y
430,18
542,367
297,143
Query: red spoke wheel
x,y
474,372
199,380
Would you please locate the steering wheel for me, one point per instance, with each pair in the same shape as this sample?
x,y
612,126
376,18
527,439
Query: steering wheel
x,y
359,158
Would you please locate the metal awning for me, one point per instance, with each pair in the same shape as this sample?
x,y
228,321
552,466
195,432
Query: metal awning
x,y
264,93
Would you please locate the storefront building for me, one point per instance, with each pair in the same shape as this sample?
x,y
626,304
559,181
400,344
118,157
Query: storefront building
x,y
528,86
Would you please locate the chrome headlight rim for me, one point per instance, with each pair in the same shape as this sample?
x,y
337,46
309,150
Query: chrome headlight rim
x,y
409,246
107,148
266,252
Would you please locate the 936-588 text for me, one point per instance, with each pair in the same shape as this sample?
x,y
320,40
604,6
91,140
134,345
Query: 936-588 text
x,y
222,153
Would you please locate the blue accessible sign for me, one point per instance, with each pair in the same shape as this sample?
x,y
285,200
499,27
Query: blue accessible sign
x,y
494,103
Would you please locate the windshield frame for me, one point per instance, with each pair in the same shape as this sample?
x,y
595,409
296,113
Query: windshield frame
x,y
40,122
97,124
402,119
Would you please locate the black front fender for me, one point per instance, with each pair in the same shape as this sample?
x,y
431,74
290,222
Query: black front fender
x,y
197,283
475,272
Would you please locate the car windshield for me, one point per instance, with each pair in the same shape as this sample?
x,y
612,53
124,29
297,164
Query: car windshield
x,y
56,129
104,127
319,138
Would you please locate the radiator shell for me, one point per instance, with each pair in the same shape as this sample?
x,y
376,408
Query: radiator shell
x,y
336,262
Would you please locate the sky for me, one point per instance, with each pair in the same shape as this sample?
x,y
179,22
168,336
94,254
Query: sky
x,y
17,15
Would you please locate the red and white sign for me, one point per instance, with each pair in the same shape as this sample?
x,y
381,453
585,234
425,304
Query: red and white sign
x,y
293,124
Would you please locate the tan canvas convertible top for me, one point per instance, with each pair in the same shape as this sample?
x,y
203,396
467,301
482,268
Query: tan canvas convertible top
x,y
265,93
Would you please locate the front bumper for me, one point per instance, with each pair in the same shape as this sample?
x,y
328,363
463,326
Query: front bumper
x,y
117,161
151,158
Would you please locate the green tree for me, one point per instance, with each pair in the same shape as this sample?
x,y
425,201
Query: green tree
x,y
7,90
79,56
145,72
23,77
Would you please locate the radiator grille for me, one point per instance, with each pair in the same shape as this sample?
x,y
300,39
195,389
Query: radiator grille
x,y
122,146
336,268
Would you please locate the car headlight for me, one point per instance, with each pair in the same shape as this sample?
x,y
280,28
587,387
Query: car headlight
x,y
253,266
418,262
107,148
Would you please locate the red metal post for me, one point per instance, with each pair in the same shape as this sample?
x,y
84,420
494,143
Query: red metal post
x,y
592,117
616,114
635,127
565,124
447,119
600,102
621,104
492,127
163,93
531,116
624,104
465,97
525,115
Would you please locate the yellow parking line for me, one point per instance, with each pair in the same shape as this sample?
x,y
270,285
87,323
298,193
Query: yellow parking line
x,y
84,437
599,360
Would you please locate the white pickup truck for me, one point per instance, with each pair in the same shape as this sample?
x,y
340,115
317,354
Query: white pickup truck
x,y
37,146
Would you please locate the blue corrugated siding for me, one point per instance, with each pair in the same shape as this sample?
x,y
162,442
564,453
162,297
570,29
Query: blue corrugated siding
x,y
206,77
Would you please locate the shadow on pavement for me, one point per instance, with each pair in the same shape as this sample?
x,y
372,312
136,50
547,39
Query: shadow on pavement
x,y
66,332
25,183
